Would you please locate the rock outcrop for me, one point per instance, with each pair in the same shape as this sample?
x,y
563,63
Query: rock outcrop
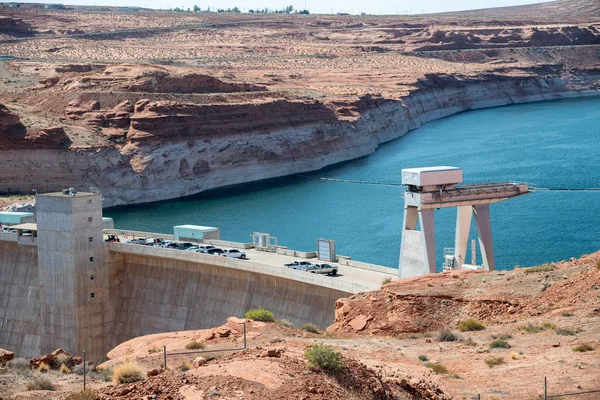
x,y
14,26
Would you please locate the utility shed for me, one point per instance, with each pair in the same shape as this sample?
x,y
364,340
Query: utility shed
x,y
108,223
195,232
14,218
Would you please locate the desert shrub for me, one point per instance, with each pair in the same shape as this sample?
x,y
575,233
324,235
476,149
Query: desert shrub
x,y
276,340
153,349
285,323
502,336
437,367
128,372
500,344
470,324
105,374
195,345
309,328
567,314
385,281
531,328
583,348
598,265
260,314
40,383
423,358
447,336
548,325
18,364
185,366
514,355
542,268
566,332
83,395
324,357
43,368
64,369
470,342
493,361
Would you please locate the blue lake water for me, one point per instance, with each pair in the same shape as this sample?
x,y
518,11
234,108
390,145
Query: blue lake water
x,y
550,144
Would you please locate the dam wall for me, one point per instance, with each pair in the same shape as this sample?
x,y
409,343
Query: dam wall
x,y
148,290
161,290
20,309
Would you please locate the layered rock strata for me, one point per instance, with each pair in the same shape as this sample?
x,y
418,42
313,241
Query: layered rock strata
x,y
175,150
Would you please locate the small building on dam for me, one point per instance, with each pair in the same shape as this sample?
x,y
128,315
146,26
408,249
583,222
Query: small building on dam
x,y
63,286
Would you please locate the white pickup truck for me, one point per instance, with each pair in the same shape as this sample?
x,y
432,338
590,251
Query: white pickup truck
x,y
307,266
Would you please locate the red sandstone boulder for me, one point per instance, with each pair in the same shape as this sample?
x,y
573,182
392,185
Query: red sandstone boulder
x,y
360,322
199,361
54,137
6,356
155,372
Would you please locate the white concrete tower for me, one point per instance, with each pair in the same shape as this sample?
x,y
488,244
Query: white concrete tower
x,y
437,187
73,279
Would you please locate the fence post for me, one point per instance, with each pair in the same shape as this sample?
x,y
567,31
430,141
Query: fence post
x,y
165,356
545,389
244,335
84,366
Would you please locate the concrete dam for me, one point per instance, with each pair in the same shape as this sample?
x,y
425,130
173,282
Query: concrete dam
x,y
63,286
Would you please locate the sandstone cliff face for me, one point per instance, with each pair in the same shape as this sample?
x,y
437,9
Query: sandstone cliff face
x,y
148,170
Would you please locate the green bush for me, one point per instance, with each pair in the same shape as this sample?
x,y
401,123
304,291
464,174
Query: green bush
x,y
324,357
309,328
195,345
470,324
260,314
583,348
437,367
40,384
423,358
491,362
385,281
503,336
447,336
500,344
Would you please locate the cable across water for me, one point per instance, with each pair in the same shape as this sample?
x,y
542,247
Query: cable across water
x,y
379,183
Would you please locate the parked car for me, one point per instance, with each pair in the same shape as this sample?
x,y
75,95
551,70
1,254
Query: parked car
x,y
140,240
204,249
234,253
169,245
215,251
112,238
193,248
154,241
323,269
298,264
184,246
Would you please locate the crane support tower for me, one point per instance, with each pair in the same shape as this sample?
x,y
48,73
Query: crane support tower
x,y
437,187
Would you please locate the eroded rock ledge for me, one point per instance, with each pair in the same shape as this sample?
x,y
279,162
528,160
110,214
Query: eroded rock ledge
x,y
175,149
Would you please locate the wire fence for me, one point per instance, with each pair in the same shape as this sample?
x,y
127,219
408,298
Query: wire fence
x,y
544,391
